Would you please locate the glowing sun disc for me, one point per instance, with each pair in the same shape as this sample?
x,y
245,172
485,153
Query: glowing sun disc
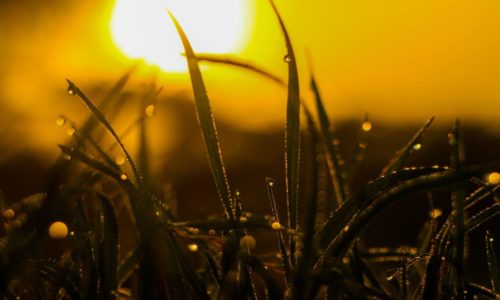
x,y
143,29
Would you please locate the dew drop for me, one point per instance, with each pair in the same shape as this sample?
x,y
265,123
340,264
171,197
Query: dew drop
x,y
493,178
71,90
346,228
193,247
243,219
287,58
248,242
150,110
70,131
276,225
362,145
60,121
270,182
9,213
66,157
123,177
58,230
452,140
211,232
491,240
120,160
417,146
366,126
435,213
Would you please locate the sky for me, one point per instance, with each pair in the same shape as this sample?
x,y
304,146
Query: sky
x,y
398,61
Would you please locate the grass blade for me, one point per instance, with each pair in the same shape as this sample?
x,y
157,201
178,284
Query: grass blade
x,y
292,134
339,245
458,201
332,150
130,263
482,217
109,247
239,64
493,266
100,116
207,123
400,156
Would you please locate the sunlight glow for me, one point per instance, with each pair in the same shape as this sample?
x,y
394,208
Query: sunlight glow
x,y
143,29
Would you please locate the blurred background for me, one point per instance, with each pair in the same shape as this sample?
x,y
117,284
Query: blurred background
x,y
400,62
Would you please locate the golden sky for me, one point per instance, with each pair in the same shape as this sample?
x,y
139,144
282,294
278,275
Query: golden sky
x,y
398,61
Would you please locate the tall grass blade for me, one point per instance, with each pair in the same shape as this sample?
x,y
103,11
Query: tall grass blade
x,y
285,259
493,266
401,155
458,200
207,123
102,119
332,150
109,247
292,134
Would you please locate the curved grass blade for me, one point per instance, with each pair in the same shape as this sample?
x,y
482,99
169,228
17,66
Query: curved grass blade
x,y
109,246
332,150
60,275
218,59
207,123
100,116
340,243
401,155
292,134
339,219
493,266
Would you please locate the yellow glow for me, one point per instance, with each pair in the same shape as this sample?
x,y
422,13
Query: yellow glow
x,y
143,29
494,178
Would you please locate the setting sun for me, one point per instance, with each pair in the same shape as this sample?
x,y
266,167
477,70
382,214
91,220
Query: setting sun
x,y
142,29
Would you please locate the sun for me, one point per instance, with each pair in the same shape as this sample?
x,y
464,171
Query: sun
x,y
143,29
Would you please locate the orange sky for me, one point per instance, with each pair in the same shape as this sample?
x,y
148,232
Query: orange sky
x,y
396,60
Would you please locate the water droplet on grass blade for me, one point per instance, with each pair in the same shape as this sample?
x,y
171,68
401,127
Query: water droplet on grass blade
x,y
58,230
276,225
417,146
9,213
120,160
366,126
287,58
493,178
71,90
150,110
60,121
123,177
248,242
70,131
435,213
193,247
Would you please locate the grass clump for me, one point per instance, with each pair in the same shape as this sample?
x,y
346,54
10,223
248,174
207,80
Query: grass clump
x,y
216,258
